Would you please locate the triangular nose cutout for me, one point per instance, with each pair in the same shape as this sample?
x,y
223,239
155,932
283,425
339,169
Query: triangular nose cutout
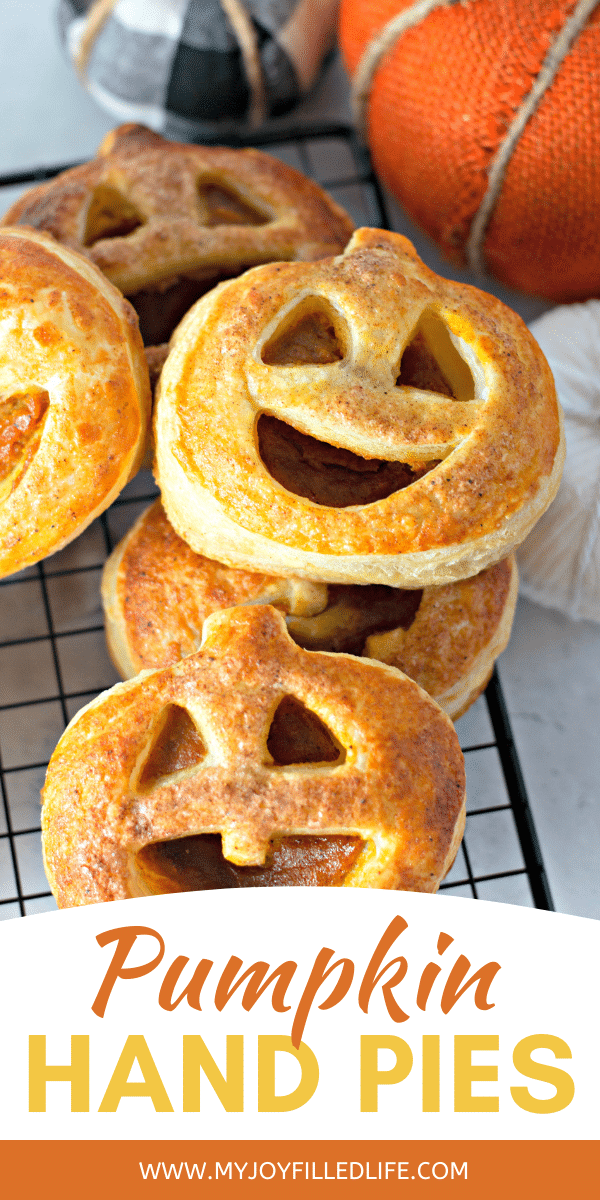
x,y
307,337
227,208
110,214
298,735
432,363
177,747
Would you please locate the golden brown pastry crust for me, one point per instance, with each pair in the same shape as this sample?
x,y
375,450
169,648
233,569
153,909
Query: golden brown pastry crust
x,y
458,633
174,193
398,784
500,452
73,377
157,593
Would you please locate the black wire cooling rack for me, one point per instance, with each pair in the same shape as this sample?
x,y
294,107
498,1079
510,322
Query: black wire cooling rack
x,y
53,658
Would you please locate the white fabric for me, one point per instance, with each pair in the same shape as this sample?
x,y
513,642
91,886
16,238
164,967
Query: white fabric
x,y
559,563
153,16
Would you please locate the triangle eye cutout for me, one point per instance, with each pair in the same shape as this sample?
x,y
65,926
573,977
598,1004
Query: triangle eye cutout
x,y
109,215
177,746
225,207
307,337
21,419
432,363
298,735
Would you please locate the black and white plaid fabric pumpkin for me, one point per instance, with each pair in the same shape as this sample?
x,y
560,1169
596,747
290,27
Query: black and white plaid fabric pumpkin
x,y
185,67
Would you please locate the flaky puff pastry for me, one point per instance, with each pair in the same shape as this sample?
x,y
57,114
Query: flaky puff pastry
x,y
358,420
74,396
166,221
157,593
290,757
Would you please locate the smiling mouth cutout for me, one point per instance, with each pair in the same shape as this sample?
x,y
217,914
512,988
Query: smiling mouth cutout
x,y
196,863
327,474
355,611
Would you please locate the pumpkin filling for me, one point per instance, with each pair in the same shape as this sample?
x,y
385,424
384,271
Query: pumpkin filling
x,y
298,735
419,369
110,215
196,863
156,357
355,611
225,207
177,746
432,363
309,338
160,308
327,474
21,417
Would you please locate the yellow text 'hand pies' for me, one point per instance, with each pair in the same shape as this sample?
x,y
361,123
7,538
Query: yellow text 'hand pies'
x,y
158,592
167,221
358,420
74,396
254,763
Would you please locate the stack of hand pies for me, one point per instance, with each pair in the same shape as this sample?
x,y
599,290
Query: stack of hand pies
x,y
348,450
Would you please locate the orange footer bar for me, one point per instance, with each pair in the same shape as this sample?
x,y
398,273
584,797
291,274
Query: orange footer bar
x,y
101,1170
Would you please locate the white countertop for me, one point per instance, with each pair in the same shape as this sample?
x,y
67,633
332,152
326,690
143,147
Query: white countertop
x,y
551,669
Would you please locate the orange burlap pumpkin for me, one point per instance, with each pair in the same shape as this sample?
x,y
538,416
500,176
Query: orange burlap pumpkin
x,y
441,103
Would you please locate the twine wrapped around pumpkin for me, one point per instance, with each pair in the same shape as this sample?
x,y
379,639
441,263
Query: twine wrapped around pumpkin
x,y
482,118
187,66
559,563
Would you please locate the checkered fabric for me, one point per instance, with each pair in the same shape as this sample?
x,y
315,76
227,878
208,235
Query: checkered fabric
x,y
176,66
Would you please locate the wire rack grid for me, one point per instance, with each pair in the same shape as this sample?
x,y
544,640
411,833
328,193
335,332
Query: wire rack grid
x,y
53,657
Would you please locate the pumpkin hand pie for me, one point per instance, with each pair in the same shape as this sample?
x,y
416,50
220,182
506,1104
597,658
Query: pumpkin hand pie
x,y
165,221
358,420
254,763
157,593
74,396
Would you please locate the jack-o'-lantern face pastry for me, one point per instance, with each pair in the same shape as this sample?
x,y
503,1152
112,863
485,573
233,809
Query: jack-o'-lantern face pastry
x,y
158,592
254,763
358,420
74,396
165,221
